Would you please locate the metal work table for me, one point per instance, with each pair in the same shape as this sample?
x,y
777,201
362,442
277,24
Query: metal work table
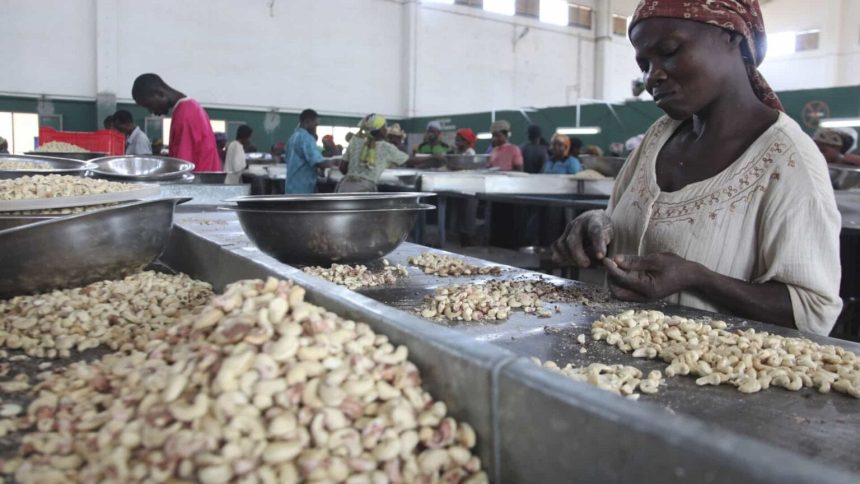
x,y
545,427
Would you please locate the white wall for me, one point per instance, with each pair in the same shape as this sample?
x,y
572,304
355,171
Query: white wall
x,y
48,47
356,56
468,61
839,23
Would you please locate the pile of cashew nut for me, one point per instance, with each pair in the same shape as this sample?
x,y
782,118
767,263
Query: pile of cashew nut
x,y
260,387
120,314
60,147
494,300
621,380
50,186
22,165
359,276
749,360
445,265
62,211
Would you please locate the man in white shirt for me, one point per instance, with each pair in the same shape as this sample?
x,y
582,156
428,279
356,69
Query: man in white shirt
x,y
136,142
234,162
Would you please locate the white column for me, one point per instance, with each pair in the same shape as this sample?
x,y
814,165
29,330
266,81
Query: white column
x,y
409,75
602,46
107,25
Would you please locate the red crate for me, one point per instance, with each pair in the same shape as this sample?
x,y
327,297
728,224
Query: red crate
x,y
102,141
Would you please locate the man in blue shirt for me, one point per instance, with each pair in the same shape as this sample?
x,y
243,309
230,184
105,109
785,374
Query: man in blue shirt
x,y
303,156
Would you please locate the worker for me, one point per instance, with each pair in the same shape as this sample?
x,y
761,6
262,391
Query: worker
x,y
535,151
303,156
235,162
136,141
191,136
722,204
563,156
433,144
505,156
834,146
464,142
593,150
396,136
157,146
4,146
367,156
329,148
107,122
278,152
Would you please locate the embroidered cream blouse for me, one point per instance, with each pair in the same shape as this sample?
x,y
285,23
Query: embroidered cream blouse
x,y
770,216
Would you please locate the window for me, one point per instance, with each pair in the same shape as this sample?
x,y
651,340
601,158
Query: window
x,y
579,16
806,41
337,132
218,126
504,7
619,25
20,131
529,8
554,12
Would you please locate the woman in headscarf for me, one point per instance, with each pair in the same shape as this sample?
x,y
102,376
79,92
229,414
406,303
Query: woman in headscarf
x,y
561,161
464,142
368,155
726,205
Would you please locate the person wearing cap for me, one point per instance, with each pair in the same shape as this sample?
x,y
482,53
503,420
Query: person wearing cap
x,y
278,151
4,146
464,142
367,156
433,144
726,205
396,136
329,147
535,151
505,156
563,160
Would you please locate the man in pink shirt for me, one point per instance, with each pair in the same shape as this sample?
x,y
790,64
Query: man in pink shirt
x,y
191,136
505,156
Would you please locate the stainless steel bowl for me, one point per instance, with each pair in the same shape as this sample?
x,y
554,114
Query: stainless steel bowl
x,y
141,168
324,237
76,250
74,155
844,177
49,166
210,177
10,221
330,201
467,162
605,165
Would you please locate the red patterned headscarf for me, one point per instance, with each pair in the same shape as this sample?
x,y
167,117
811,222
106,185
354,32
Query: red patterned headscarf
x,y
741,16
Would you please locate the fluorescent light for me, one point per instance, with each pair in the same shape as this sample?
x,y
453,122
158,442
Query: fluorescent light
x,y
582,130
485,135
840,122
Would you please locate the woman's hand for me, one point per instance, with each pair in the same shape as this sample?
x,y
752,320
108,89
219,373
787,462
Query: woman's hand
x,y
649,278
585,240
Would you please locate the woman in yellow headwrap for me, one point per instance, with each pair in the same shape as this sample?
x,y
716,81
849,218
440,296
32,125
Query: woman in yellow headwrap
x,y
368,155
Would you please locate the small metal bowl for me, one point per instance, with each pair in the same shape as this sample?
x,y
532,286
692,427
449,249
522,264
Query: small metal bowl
x,y
76,250
844,177
324,237
330,201
141,168
48,166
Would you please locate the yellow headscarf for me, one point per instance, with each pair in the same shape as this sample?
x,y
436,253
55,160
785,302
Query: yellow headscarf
x,y
370,123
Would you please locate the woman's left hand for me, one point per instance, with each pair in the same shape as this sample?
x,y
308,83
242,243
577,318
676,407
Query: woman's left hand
x,y
649,278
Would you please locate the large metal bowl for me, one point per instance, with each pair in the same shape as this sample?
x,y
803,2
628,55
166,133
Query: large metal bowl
x,y
48,166
141,168
330,201
844,176
81,249
606,165
321,238
73,155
